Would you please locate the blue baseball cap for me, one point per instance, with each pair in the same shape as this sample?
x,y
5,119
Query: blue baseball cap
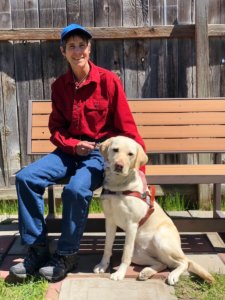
x,y
73,28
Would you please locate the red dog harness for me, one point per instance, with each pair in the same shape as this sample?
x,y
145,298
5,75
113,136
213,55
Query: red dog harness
x,y
145,196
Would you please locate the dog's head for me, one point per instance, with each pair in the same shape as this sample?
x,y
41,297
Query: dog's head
x,y
123,154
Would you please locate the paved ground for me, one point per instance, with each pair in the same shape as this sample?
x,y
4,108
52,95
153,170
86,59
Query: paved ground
x,y
82,284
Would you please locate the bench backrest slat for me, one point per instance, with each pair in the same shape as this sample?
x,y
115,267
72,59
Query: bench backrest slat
x,y
41,107
176,105
176,125
185,145
191,118
191,131
42,146
40,120
165,145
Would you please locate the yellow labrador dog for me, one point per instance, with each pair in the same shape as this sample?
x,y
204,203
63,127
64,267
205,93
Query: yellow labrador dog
x,y
156,243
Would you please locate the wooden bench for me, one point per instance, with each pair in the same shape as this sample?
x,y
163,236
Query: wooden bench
x,y
167,126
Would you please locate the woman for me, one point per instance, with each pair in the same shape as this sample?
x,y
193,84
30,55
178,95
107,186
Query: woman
x,y
88,106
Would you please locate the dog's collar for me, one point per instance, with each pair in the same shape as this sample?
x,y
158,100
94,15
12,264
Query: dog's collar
x,y
145,196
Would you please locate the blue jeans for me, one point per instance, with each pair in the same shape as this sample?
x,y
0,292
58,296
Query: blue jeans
x,y
86,175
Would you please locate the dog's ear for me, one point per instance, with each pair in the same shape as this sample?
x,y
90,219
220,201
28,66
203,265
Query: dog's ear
x,y
141,158
103,148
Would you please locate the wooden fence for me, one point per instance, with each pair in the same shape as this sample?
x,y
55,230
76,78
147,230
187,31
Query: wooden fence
x,y
159,48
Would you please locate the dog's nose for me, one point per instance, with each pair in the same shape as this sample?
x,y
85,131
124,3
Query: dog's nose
x,y
118,167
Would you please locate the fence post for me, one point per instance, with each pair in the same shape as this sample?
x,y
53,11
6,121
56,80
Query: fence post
x,y
202,81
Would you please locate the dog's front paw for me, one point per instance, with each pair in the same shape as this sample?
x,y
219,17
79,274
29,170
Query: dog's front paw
x,y
118,275
101,268
172,278
145,274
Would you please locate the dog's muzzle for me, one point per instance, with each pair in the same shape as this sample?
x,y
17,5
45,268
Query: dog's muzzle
x,y
118,168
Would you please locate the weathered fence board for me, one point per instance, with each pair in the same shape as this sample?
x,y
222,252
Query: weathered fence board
x,y
2,135
4,22
45,14
117,33
87,12
202,77
109,54
73,11
130,50
215,50
59,13
8,103
18,14
31,13
5,14
9,132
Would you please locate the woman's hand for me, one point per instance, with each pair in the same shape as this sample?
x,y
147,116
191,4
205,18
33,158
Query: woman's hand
x,y
83,148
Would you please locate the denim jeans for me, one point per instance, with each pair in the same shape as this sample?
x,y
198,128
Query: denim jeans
x,y
86,175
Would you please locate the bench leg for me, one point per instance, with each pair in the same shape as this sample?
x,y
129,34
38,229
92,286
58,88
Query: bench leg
x,y
216,200
217,192
51,203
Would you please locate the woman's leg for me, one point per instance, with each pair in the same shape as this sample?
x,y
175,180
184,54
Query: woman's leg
x,y
76,198
31,182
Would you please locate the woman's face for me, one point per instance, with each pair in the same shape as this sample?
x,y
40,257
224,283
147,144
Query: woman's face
x,y
77,52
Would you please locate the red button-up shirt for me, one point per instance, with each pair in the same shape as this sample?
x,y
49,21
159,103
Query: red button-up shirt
x,y
97,109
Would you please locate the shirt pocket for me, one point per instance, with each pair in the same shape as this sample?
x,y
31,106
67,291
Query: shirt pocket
x,y
96,105
95,112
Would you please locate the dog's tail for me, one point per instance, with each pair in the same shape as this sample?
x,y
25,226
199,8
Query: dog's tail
x,y
195,268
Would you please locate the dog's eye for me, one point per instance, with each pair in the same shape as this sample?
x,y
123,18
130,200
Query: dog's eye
x,y
115,150
130,154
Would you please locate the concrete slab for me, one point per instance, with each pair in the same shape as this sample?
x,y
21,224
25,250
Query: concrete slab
x,y
212,262
9,218
216,241
172,213
202,213
222,256
3,218
103,288
9,226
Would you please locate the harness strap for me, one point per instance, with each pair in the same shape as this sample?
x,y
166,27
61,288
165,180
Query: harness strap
x,y
151,207
145,196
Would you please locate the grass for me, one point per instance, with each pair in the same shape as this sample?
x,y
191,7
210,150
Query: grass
x,y
32,290
169,202
177,202
95,206
10,207
193,288
173,202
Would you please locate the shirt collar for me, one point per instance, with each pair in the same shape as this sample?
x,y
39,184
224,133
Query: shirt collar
x,y
94,73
